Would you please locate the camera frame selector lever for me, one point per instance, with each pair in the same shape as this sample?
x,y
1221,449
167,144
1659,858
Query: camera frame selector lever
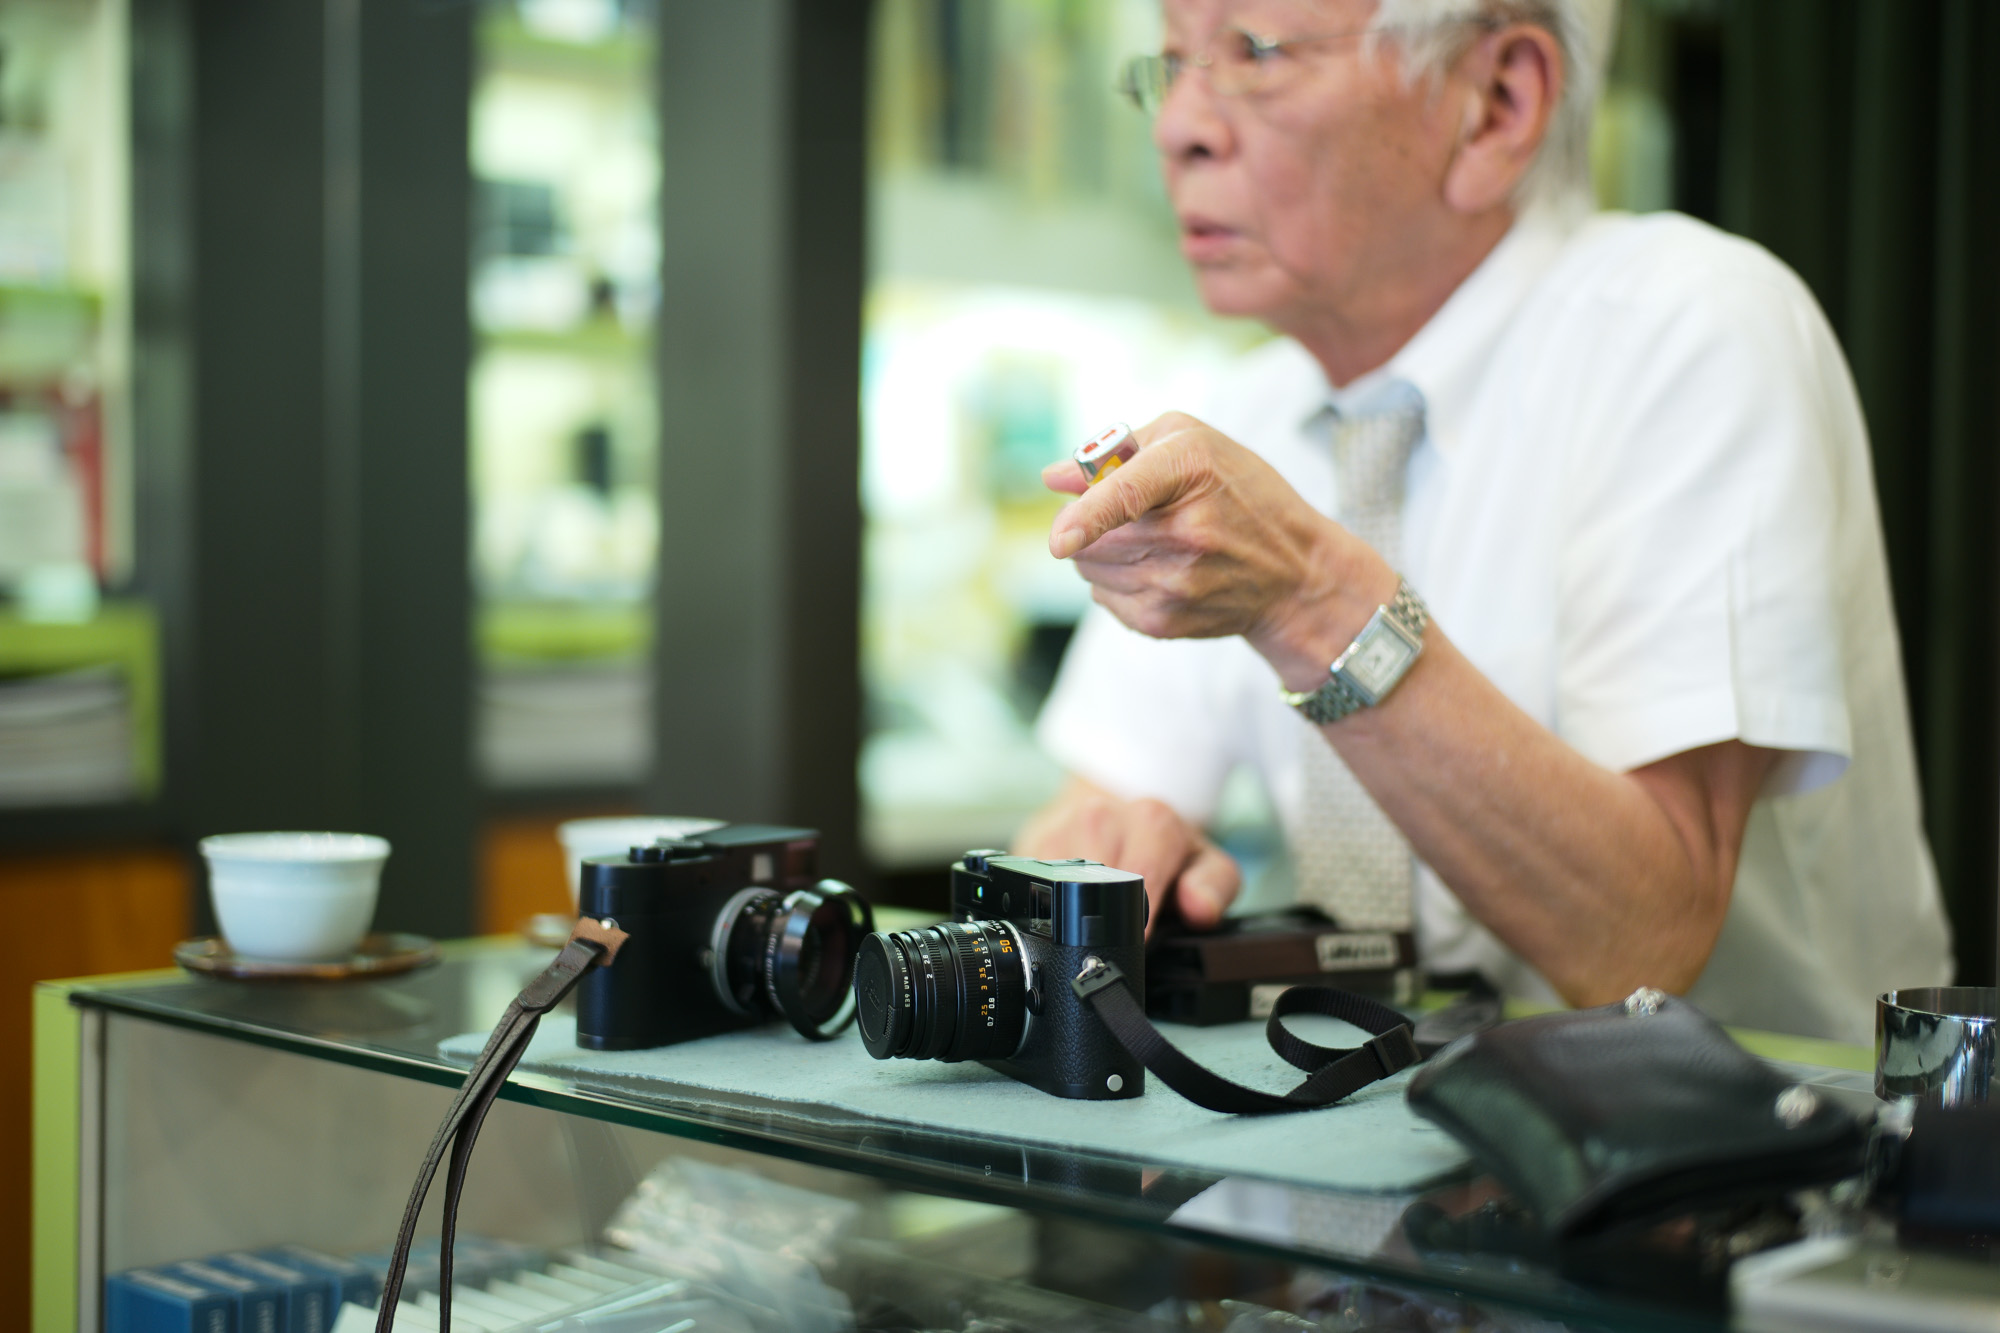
x,y
1333,1073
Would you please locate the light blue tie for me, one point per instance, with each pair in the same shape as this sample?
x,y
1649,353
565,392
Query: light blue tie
x,y
1351,860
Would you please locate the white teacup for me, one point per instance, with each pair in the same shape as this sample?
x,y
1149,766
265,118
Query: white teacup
x,y
618,833
294,897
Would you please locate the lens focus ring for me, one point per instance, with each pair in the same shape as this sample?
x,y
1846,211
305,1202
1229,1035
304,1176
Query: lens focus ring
x,y
951,992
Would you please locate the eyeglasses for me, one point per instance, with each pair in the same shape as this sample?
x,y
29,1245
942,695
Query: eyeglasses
x,y
1239,64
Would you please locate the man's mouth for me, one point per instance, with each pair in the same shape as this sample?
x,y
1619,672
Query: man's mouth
x,y
1204,239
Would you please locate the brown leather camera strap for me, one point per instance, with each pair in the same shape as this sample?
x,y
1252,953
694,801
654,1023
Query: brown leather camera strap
x,y
591,944
1333,1073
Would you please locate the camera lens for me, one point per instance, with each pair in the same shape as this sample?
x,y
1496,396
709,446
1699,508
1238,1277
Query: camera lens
x,y
792,955
953,992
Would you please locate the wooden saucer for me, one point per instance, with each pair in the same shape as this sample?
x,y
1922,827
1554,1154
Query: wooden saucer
x,y
376,956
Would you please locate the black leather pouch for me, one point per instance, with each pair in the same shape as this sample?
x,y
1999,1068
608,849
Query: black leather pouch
x,y
1632,1113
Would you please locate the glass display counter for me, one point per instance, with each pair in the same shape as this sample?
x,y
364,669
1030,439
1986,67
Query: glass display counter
x,y
180,1116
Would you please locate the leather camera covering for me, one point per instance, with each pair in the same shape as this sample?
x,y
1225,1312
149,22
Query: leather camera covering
x,y
1632,1113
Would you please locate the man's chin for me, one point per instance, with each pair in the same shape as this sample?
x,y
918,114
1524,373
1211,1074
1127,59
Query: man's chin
x,y
1229,291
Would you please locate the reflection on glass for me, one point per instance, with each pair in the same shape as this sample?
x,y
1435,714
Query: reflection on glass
x,y
1025,291
564,421
79,677
65,448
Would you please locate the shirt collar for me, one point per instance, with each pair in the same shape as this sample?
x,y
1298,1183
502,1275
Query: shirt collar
x,y
1445,359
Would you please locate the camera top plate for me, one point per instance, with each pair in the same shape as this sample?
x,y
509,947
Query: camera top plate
x,y
1071,902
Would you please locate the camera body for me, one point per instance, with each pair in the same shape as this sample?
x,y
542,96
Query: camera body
x,y
1064,912
993,983
727,929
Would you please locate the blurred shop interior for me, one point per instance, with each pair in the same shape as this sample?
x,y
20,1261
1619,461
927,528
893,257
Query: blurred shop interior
x,y
445,419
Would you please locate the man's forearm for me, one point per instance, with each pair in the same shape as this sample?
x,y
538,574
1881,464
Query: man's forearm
x,y
1581,871
1602,881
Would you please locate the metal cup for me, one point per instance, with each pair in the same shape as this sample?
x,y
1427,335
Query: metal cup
x,y
1937,1043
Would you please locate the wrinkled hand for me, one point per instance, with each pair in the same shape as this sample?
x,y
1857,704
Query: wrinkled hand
x,y
1145,837
1197,537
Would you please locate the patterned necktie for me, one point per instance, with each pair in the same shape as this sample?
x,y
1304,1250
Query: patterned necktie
x,y
1351,861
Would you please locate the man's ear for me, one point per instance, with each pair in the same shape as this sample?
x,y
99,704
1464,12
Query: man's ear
x,y
1511,81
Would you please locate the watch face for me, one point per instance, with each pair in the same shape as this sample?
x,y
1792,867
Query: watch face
x,y
1380,660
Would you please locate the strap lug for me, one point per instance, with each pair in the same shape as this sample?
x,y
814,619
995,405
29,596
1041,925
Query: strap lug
x,y
1096,975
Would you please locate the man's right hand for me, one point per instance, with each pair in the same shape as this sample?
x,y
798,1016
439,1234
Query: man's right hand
x,y
1145,837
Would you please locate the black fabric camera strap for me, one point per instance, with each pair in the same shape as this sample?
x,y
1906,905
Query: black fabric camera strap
x,y
592,943
1333,1072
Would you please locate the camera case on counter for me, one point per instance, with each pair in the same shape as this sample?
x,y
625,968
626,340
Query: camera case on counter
x,y
727,929
1236,970
993,984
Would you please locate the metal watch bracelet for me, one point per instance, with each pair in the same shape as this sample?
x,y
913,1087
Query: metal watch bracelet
x,y
1338,695
1409,608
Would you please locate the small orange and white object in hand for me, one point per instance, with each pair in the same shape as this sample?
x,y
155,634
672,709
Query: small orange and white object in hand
x,y
1106,452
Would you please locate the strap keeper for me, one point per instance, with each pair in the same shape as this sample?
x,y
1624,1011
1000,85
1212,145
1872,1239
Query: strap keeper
x,y
1394,1050
1095,976
604,934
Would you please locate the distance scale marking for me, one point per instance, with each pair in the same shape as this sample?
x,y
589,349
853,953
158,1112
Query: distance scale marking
x,y
989,1003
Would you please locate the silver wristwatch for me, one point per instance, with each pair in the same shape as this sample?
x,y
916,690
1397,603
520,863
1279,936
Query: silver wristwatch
x,y
1381,653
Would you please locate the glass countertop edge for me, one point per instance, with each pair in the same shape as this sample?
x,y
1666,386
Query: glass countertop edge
x,y
1537,1292
1528,1292
402,1064
605,1102
788,1124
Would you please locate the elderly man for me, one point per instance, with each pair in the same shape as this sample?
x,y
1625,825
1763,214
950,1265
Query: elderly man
x,y
1536,569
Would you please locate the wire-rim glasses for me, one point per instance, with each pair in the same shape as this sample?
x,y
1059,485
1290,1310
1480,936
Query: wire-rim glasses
x,y
1239,63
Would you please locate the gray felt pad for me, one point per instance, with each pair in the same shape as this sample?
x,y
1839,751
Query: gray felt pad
x,y
1370,1142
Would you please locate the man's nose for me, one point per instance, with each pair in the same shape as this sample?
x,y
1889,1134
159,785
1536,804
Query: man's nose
x,y
1190,123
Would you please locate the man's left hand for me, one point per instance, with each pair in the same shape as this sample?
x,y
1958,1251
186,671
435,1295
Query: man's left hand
x,y
1197,537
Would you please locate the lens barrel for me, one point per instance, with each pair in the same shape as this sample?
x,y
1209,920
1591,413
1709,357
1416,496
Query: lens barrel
x,y
958,991
792,955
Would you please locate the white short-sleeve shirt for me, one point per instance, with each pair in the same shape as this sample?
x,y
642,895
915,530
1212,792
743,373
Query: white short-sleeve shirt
x,y
1643,508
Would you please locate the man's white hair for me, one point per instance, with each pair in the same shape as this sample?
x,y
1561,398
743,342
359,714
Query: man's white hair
x,y
1433,33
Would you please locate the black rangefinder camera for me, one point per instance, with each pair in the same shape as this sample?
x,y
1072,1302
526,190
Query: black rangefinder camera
x,y
726,929
993,983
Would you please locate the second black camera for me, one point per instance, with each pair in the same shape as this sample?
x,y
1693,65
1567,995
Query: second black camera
x,y
726,929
